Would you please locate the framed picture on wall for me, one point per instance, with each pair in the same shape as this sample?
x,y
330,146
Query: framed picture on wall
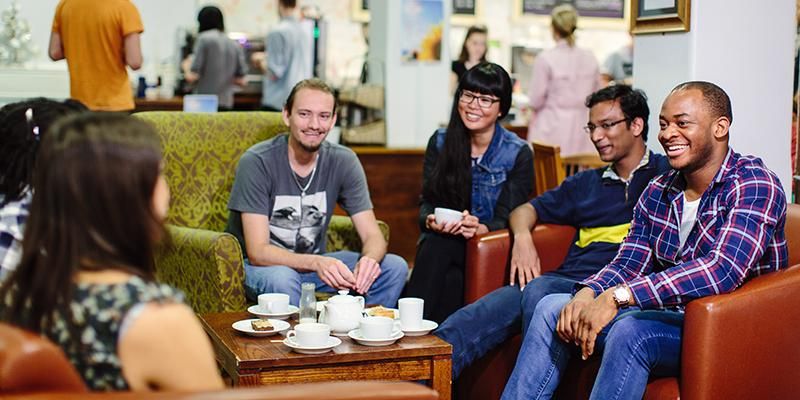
x,y
606,14
466,12
656,16
359,10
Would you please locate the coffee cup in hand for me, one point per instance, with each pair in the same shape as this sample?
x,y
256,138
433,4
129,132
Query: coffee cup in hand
x,y
445,215
410,312
273,303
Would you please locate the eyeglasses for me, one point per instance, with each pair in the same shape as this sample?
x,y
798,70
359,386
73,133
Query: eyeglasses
x,y
483,101
590,127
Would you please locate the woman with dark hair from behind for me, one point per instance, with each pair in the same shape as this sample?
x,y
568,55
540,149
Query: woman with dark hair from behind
x,y
218,65
22,127
86,275
474,165
473,52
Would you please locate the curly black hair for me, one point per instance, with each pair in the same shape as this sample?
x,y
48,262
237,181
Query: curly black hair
x,y
21,131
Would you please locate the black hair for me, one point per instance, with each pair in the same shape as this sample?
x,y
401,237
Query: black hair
x,y
450,183
716,99
288,3
633,103
20,137
209,18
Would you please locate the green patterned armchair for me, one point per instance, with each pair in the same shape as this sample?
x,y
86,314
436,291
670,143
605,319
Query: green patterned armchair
x,y
201,152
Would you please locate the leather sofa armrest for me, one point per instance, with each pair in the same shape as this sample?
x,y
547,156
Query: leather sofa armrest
x,y
207,266
743,344
350,390
488,257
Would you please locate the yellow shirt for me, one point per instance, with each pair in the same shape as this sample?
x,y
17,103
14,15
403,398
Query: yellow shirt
x,y
92,35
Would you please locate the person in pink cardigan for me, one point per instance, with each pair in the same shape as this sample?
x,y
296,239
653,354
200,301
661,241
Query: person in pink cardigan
x,y
562,78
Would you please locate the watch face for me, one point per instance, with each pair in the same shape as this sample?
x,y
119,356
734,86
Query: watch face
x,y
621,296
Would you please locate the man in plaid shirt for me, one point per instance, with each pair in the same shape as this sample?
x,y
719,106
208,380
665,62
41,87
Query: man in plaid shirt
x,y
702,229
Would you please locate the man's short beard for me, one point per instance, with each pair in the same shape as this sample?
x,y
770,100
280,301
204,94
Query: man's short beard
x,y
310,149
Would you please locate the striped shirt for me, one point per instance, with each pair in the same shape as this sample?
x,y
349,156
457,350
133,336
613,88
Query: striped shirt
x,y
738,235
12,223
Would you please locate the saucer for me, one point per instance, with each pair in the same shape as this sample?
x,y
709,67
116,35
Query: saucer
x,y
426,327
255,310
355,334
245,327
332,342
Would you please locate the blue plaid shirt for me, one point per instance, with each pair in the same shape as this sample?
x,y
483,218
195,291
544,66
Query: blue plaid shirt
x,y
12,223
738,234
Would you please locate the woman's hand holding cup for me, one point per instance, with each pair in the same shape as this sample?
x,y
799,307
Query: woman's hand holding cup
x,y
444,220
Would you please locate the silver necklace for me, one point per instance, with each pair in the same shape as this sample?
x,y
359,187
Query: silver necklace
x,y
302,188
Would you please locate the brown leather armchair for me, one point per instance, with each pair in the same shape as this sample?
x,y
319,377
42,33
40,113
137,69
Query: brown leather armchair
x,y
32,367
739,345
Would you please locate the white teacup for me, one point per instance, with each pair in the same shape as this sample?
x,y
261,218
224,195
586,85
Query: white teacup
x,y
310,334
376,327
444,215
411,312
273,303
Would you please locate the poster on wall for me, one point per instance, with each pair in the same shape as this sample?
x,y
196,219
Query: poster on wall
x,y
586,8
422,22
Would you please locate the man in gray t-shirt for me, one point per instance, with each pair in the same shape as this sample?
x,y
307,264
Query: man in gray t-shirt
x,y
282,201
289,57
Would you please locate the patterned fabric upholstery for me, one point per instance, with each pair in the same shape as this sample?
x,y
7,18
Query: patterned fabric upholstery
x,y
201,151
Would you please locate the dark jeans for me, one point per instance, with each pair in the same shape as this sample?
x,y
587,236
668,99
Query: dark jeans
x,y
483,325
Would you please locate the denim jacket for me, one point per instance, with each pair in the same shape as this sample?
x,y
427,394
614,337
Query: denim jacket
x,y
490,174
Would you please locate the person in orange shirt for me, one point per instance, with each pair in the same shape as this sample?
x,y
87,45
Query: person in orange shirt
x,y
98,39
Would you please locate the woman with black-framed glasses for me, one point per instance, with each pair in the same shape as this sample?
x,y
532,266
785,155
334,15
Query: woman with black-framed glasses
x,y
474,166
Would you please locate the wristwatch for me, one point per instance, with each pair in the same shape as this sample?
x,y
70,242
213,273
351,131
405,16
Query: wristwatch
x,y
621,296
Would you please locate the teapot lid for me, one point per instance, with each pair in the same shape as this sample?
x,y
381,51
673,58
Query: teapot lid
x,y
342,297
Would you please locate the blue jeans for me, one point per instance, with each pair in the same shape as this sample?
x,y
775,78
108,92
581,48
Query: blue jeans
x,y
282,279
477,328
634,345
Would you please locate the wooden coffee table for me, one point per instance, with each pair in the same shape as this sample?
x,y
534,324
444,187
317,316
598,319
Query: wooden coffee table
x,y
254,361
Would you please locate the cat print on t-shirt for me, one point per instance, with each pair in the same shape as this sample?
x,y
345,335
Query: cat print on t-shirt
x,y
295,226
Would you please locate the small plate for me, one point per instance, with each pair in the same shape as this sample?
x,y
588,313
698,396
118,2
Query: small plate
x,y
254,309
332,342
245,327
426,327
355,334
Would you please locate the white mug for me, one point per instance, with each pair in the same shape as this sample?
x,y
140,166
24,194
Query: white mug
x,y
273,303
310,334
443,215
376,327
411,312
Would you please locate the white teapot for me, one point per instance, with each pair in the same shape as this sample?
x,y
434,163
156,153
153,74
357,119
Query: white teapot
x,y
343,312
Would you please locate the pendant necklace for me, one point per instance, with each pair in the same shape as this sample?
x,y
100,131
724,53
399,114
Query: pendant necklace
x,y
302,188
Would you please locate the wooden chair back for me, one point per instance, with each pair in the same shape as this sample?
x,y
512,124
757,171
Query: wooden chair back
x,y
547,167
581,162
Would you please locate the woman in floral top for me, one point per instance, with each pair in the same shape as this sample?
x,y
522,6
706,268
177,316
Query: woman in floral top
x,y
85,279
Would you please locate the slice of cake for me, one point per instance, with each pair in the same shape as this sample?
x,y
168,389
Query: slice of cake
x,y
381,311
261,325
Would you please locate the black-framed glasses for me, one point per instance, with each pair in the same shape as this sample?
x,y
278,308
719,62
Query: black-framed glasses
x,y
590,127
483,101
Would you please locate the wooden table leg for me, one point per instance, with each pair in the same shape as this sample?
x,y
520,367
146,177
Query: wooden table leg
x,y
442,376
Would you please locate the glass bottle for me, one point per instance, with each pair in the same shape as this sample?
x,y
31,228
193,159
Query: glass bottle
x,y
308,303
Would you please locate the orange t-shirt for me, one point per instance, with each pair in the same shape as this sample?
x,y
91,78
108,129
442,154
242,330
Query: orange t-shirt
x,y
92,35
